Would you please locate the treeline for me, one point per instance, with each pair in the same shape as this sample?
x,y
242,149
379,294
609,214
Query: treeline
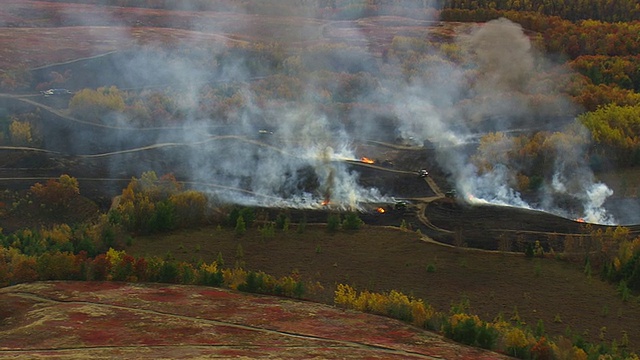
x,y
560,36
113,265
605,10
508,336
621,71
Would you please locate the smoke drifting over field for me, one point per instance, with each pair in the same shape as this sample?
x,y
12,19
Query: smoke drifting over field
x,y
506,66
448,106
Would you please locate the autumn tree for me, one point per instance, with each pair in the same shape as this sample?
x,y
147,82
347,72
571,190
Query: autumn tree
x,y
616,129
151,204
190,207
20,132
57,194
96,105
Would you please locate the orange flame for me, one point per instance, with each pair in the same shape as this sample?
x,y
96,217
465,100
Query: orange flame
x,y
366,160
581,220
325,202
381,210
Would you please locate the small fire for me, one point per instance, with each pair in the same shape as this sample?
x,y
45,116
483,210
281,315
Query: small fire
x,y
581,220
366,160
325,202
381,210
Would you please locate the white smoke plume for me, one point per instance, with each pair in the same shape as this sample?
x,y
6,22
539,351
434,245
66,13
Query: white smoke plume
x,y
285,154
505,66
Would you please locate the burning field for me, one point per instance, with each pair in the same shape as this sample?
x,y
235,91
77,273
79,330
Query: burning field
x,y
246,134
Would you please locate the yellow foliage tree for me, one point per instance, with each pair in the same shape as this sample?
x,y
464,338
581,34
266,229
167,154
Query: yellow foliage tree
x,y
515,339
234,277
60,234
94,105
190,207
20,132
114,256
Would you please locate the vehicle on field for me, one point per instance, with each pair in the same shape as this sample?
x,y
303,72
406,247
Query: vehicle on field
x,y
52,92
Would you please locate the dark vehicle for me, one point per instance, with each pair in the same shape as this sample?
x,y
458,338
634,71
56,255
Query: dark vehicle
x,y
451,194
52,92
423,173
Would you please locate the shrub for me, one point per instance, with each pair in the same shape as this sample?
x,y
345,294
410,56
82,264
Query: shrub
x,y
254,283
232,278
282,222
248,215
352,221
529,250
470,330
241,227
99,268
399,306
168,272
209,275
268,230
333,222
541,350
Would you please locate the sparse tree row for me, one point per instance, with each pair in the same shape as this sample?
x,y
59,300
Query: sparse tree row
x,y
509,336
113,265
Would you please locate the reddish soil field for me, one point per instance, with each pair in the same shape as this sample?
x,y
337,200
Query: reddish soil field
x,y
79,320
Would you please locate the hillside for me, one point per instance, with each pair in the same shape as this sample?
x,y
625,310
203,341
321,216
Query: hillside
x,y
97,320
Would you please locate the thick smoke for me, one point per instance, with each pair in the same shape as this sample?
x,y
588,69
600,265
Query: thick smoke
x,y
284,154
504,77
